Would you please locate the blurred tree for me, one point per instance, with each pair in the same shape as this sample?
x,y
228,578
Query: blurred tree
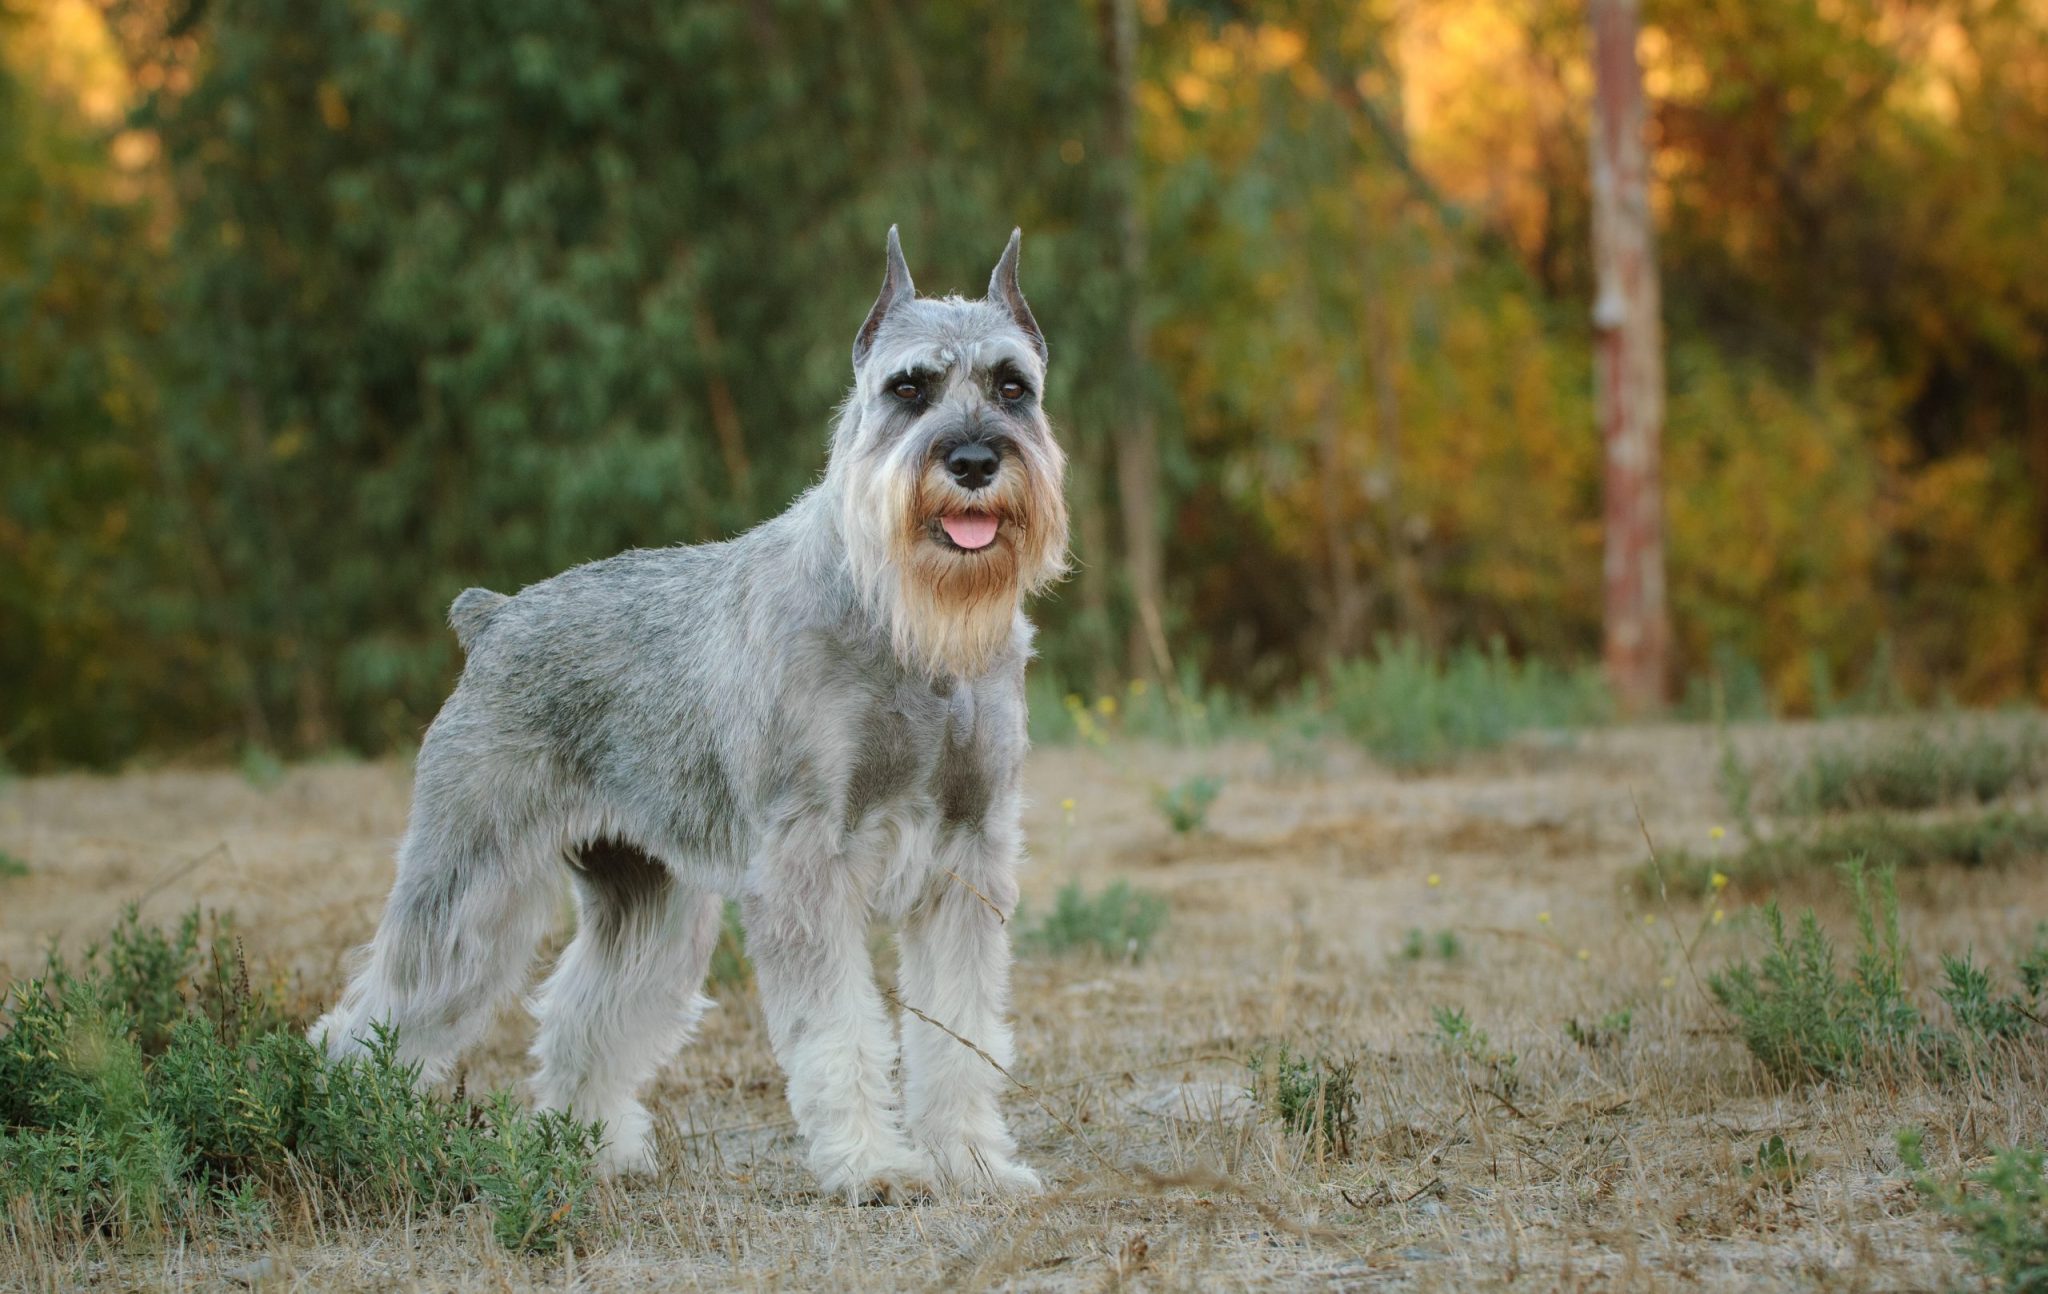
x,y
1629,367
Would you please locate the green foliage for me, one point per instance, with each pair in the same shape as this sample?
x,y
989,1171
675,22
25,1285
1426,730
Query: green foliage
x,y
1315,1097
1185,804
1607,1031
1918,772
1804,1021
10,866
1444,944
1477,1059
730,967
1737,785
153,1090
2003,1208
1119,923
1416,711
1776,1165
466,294
1994,839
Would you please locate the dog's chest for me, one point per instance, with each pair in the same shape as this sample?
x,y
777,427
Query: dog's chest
x,y
919,754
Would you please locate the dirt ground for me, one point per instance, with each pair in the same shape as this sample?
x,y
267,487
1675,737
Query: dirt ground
x,y
1616,1165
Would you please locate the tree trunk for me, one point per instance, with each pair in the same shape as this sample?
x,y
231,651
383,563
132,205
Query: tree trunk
x,y
1629,366
1137,440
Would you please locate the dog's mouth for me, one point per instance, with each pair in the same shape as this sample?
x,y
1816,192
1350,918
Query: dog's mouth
x,y
967,531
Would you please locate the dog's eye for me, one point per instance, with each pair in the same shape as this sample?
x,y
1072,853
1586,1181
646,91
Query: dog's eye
x,y
1012,390
906,390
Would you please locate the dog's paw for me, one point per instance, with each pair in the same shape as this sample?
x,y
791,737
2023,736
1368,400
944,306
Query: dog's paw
x,y
630,1158
904,1178
985,1172
628,1146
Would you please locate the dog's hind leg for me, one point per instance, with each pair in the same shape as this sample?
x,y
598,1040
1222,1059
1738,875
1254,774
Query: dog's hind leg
x,y
476,890
624,997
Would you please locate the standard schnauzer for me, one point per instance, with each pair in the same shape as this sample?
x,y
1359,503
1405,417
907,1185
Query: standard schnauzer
x,y
824,717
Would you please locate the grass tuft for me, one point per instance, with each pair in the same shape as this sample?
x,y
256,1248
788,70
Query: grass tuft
x,y
1989,840
2002,1208
1805,1022
152,1091
1119,923
1917,772
1315,1097
1413,710
1185,804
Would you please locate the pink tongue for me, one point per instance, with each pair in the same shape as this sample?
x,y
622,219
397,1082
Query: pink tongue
x,y
970,529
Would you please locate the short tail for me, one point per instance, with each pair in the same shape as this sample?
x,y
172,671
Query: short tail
x,y
471,613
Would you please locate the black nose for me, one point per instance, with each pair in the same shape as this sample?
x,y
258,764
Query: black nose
x,y
973,464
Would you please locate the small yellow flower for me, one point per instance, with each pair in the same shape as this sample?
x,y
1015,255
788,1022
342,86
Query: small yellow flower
x,y
1585,954
1715,833
1667,982
1649,918
1105,706
1074,701
1435,880
1719,916
1067,804
1138,687
1720,880
1542,918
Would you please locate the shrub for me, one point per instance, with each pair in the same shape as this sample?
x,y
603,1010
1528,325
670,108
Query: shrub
x,y
1118,923
1314,1097
1413,710
1917,772
11,866
1803,1021
1989,840
2003,1208
154,1089
1185,804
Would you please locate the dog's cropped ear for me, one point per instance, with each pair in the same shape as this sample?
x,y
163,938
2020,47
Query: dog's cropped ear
x,y
1003,291
896,289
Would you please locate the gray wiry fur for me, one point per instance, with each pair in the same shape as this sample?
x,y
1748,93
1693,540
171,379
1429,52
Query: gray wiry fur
x,y
824,716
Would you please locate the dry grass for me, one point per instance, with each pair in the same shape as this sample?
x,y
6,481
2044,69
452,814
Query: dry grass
x,y
1612,1163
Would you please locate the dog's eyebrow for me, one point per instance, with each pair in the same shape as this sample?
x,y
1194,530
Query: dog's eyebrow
x,y
920,374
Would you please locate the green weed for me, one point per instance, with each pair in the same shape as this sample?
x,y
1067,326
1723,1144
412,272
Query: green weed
x,y
1987,840
1414,710
1478,1060
1119,923
1444,944
1776,1165
2002,1208
1804,1021
1607,1031
152,1090
10,866
730,966
1917,772
1315,1097
1185,804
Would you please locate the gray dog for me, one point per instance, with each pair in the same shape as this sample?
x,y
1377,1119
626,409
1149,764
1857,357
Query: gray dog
x,y
824,717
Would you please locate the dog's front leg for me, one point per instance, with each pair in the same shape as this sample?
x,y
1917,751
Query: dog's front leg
x,y
806,924
956,969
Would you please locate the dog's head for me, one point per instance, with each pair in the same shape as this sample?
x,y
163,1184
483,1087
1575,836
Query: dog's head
x,y
951,485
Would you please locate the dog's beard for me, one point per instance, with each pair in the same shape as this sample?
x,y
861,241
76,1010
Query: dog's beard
x,y
952,610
